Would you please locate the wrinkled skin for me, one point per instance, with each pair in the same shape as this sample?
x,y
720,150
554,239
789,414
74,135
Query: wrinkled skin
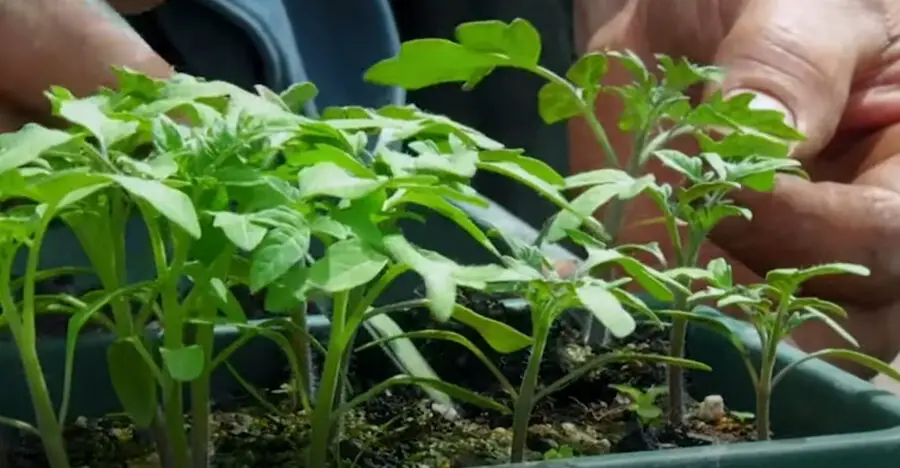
x,y
834,67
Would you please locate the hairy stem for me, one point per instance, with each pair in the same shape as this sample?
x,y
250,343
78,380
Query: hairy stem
x,y
25,336
525,402
328,387
767,367
678,334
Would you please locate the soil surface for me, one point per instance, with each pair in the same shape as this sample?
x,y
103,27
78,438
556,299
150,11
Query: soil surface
x,y
403,428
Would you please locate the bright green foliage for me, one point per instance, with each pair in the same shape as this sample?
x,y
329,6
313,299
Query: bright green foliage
x,y
643,402
236,187
740,148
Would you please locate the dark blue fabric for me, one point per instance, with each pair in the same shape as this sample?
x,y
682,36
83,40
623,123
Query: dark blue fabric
x,y
328,42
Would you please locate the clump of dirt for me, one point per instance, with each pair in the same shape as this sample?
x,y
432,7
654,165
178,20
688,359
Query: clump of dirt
x,y
403,428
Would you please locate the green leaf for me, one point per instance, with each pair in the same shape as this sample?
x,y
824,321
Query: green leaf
x,y
736,113
533,166
23,147
649,413
428,62
331,180
449,211
640,272
818,304
289,291
455,391
522,175
438,275
557,102
680,75
598,177
346,265
843,354
721,272
281,249
813,314
498,335
690,167
88,113
184,364
328,154
588,71
169,202
518,40
298,94
239,229
607,309
793,277
584,205
133,381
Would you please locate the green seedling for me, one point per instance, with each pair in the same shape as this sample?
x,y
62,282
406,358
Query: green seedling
x,y
235,193
560,453
529,273
656,111
775,309
643,403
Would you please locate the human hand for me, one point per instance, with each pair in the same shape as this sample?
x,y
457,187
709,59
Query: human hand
x,y
70,43
833,67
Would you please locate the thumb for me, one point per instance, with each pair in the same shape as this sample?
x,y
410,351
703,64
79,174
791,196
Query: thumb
x,y
799,58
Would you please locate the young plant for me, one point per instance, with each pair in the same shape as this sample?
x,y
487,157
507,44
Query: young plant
x,y
530,273
643,403
26,226
656,111
775,309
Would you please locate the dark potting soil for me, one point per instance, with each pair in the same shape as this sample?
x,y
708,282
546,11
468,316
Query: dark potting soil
x,y
403,428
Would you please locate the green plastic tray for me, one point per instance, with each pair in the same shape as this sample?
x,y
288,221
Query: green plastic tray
x,y
822,416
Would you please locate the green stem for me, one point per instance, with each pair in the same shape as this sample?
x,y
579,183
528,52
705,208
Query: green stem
x,y
678,335
763,398
767,369
200,405
173,337
301,347
200,387
525,402
328,386
25,336
675,374
49,427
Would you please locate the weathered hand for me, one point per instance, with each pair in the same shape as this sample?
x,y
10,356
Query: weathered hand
x,y
833,67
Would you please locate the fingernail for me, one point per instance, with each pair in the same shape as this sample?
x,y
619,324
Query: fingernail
x,y
762,101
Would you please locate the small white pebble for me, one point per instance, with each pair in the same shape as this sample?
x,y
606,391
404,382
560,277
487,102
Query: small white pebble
x,y
712,409
448,412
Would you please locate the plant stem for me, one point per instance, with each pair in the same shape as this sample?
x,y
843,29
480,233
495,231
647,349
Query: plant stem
x,y
301,346
320,439
25,336
767,368
678,335
763,399
49,427
174,412
675,374
200,405
173,336
525,402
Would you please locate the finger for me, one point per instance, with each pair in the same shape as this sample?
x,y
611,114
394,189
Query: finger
x,y
799,63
